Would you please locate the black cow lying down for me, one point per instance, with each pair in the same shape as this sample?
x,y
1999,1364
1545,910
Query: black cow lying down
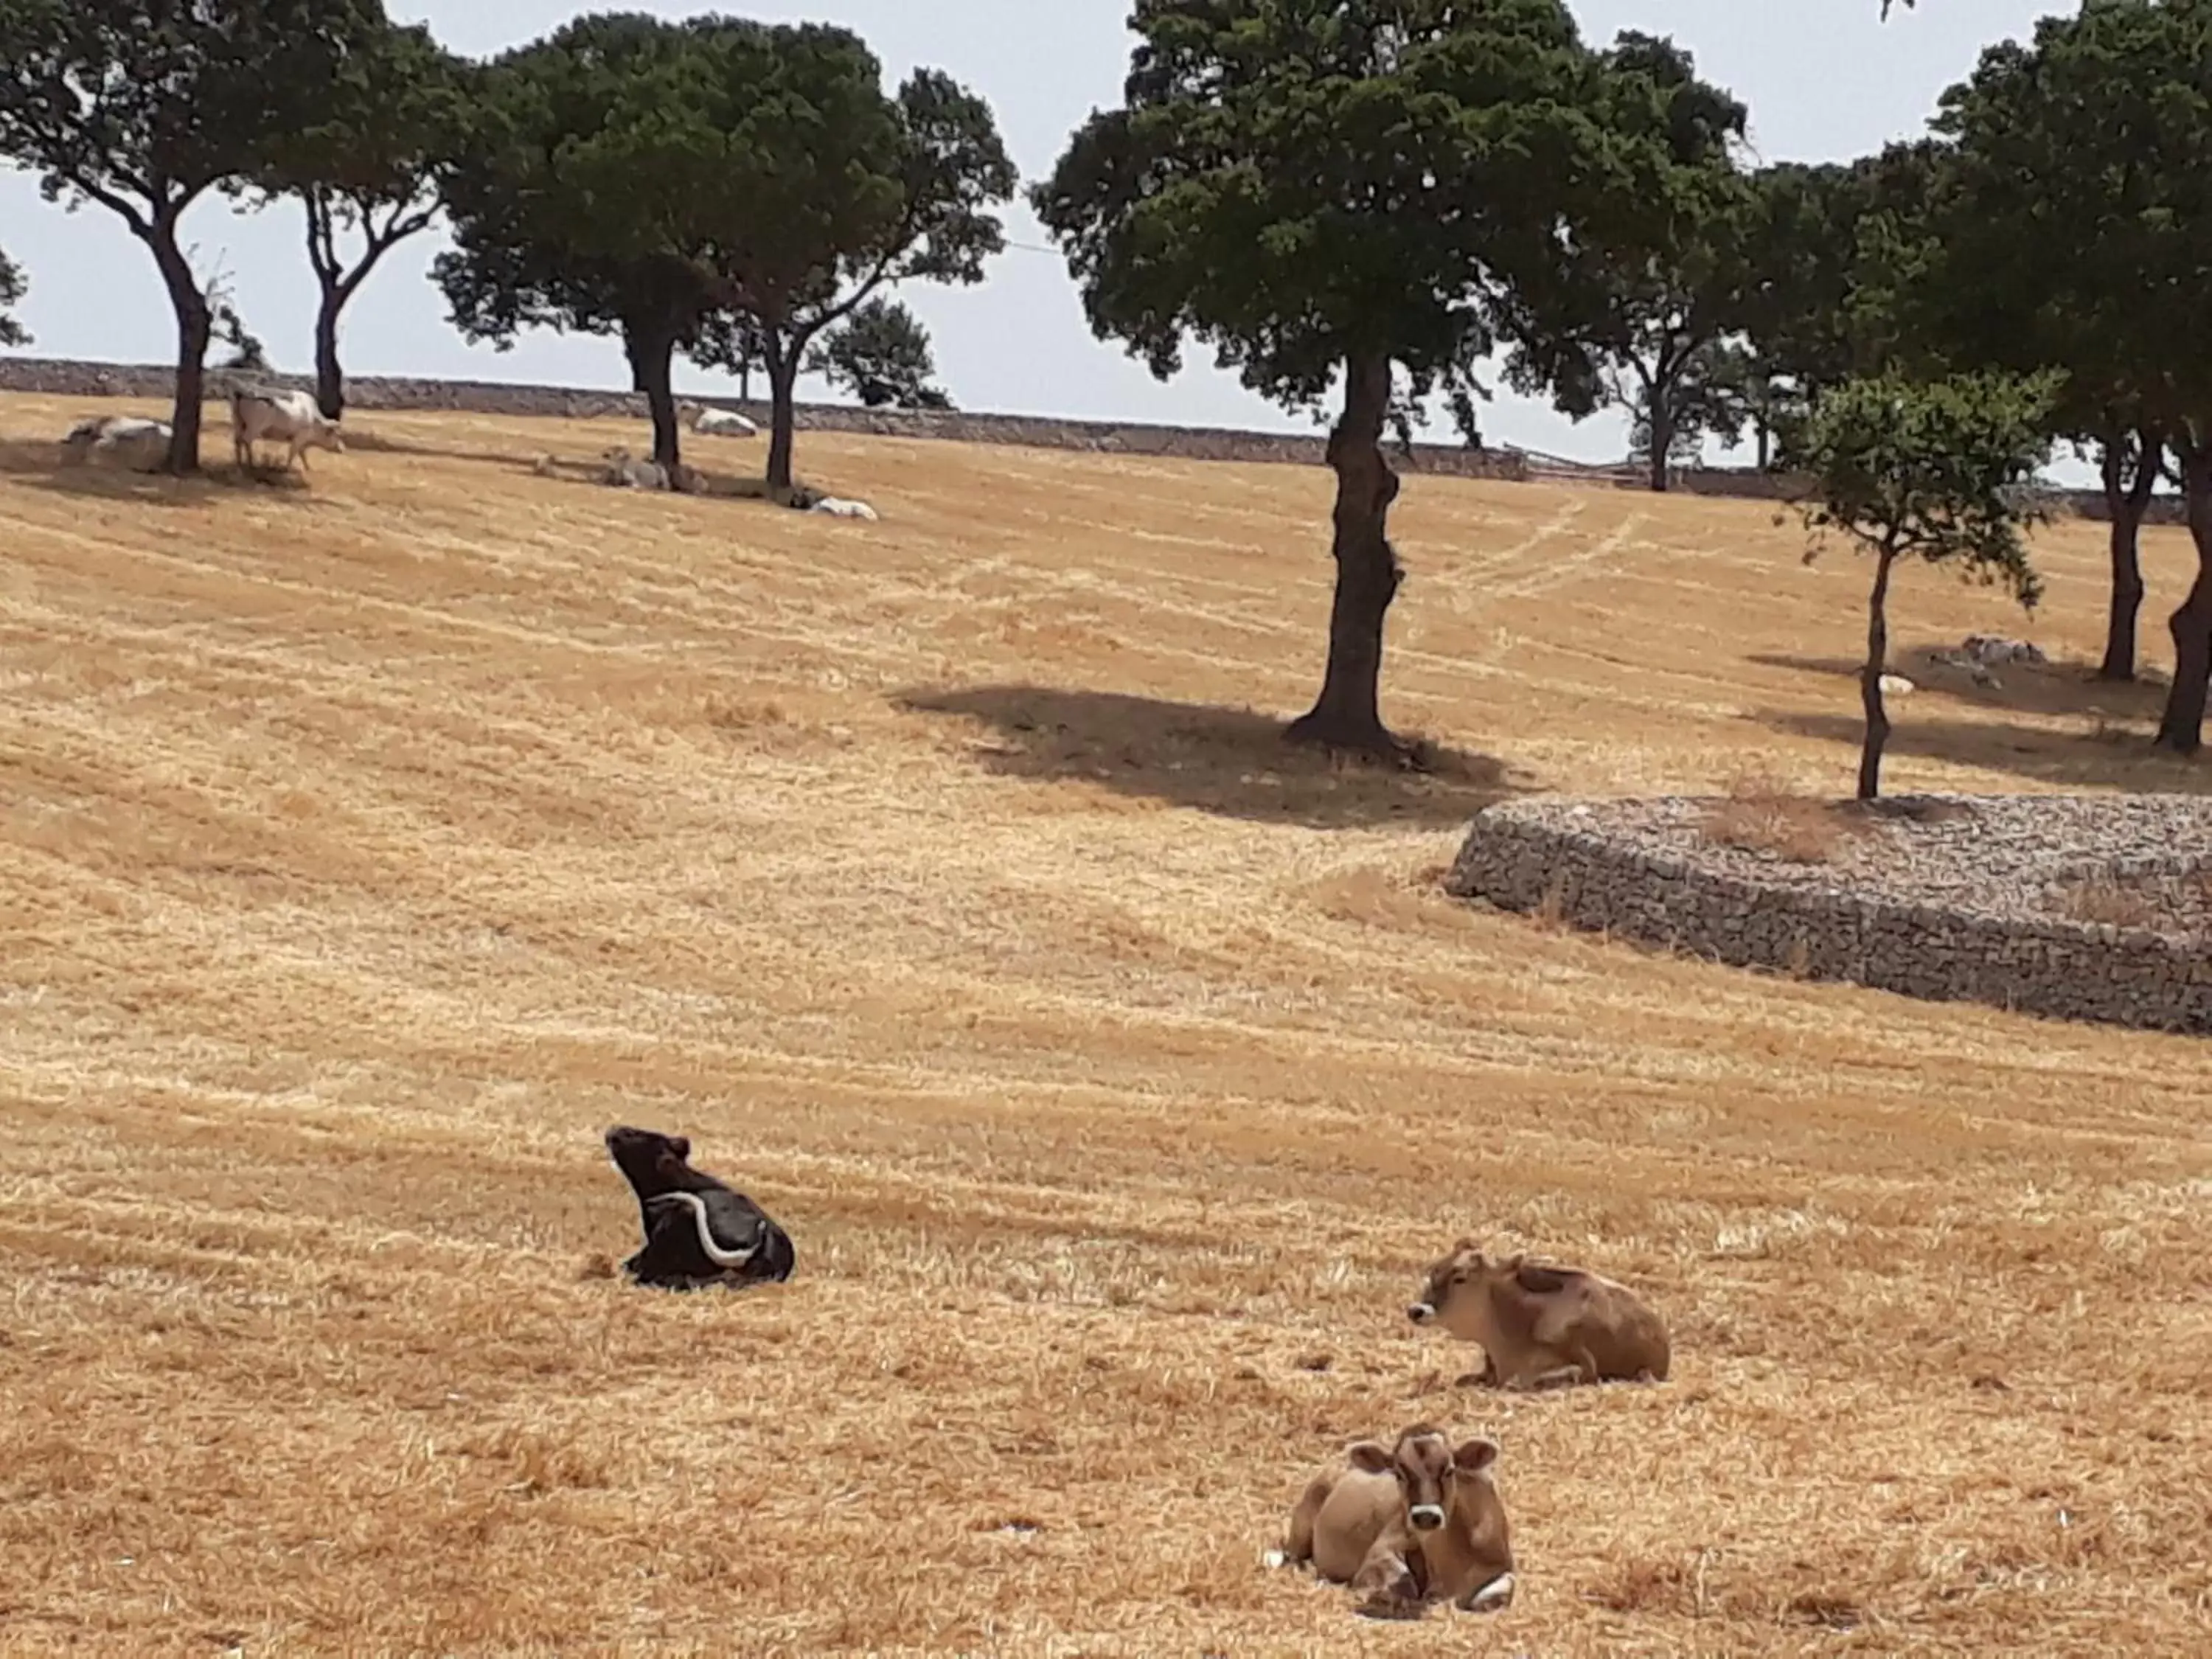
x,y
697,1230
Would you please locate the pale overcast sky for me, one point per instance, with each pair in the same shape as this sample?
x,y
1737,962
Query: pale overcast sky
x,y
1825,80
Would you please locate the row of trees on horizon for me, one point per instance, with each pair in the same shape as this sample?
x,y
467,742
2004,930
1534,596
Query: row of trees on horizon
x,y
1364,199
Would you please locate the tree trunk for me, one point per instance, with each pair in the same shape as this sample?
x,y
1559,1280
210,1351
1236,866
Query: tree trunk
x,y
329,378
1347,714
782,376
652,354
2182,728
2127,500
194,327
1663,436
1766,440
1877,662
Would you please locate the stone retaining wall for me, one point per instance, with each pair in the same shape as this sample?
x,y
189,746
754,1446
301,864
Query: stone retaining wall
x,y
1528,856
56,377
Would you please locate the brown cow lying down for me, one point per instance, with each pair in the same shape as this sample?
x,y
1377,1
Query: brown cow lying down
x,y
1408,1524
1541,1327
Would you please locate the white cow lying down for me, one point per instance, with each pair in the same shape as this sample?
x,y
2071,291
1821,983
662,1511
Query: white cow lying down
x,y
838,507
723,424
132,442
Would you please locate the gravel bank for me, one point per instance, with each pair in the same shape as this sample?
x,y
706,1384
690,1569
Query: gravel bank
x,y
2080,907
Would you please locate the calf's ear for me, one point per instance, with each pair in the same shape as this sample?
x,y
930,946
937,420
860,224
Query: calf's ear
x,y
1368,1456
680,1145
1474,1456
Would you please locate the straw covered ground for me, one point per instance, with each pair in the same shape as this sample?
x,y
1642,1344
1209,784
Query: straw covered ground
x,y
365,847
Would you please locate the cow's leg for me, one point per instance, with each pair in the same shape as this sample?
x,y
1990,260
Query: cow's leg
x,y
1388,1583
1297,1544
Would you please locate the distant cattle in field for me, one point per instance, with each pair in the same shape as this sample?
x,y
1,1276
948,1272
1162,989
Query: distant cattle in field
x,y
1541,1326
132,442
262,415
1406,1524
1992,652
723,424
626,471
698,1230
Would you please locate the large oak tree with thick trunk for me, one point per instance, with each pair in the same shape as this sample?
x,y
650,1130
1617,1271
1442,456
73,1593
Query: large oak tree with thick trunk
x,y
143,106
1327,193
1929,471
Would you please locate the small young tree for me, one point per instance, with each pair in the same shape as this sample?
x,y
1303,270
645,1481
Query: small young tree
x,y
1324,194
881,355
12,290
1930,471
368,172
145,106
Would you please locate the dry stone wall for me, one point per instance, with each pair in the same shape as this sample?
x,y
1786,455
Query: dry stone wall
x,y
1577,861
55,377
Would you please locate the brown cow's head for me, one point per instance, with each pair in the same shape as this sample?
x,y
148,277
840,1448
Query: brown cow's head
x,y
1435,1480
1454,1294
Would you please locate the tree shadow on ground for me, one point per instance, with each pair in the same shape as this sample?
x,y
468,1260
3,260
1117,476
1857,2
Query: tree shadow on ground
x,y
37,464
2057,688
1231,761
2115,757
564,469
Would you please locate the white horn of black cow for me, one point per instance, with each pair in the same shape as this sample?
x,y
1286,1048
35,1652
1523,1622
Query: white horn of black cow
x,y
715,1254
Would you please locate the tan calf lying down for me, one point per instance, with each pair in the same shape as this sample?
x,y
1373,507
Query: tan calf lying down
x,y
1541,1327
1408,1524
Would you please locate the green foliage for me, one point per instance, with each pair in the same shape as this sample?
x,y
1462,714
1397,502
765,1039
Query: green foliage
x,y
880,354
1652,274
1932,470
1301,183
12,290
144,106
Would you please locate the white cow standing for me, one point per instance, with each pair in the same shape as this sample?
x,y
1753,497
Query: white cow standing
x,y
290,418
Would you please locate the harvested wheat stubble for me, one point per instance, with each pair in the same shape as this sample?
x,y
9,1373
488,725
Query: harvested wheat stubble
x,y
2085,906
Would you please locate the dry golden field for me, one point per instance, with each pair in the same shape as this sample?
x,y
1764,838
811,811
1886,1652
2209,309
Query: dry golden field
x,y
367,847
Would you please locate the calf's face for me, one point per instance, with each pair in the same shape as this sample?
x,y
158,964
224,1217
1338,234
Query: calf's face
x,y
1454,1296
650,1161
1432,1475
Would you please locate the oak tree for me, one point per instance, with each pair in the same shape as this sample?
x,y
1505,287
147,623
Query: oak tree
x,y
2072,236
368,172
1327,191
1926,470
143,106
572,203
1653,267
835,190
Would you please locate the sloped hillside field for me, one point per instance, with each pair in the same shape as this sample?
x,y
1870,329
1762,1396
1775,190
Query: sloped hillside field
x,y
369,845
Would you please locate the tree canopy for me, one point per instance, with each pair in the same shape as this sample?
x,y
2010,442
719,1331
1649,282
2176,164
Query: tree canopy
x,y
13,288
880,354
1318,190
367,171
575,205
1653,270
143,107
838,190
1928,469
